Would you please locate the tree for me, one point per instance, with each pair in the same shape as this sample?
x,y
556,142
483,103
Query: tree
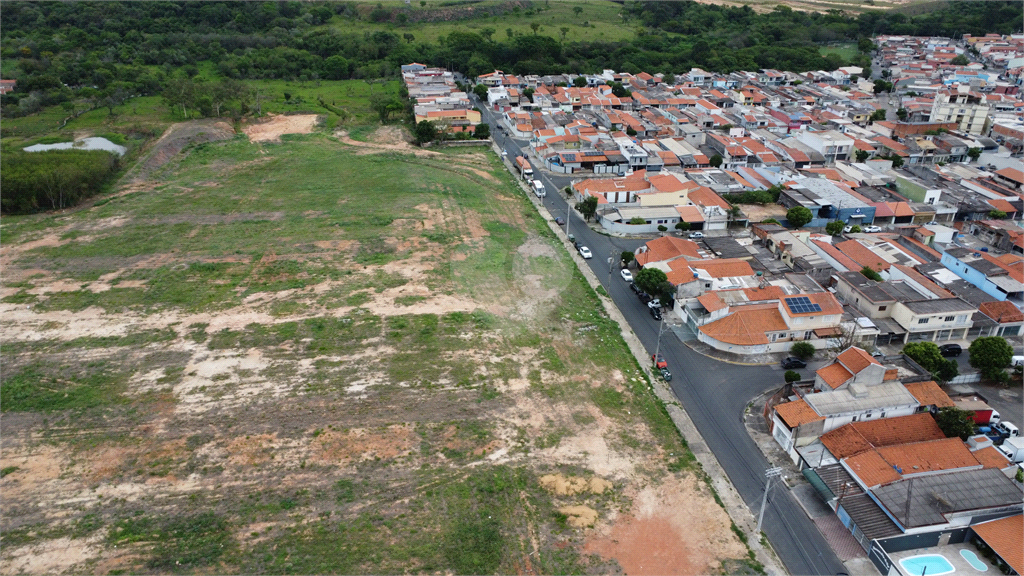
x,y
804,350
996,214
902,114
791,376
855,229
974,153
955,422
650,280
959,60
588,207
424,132
637,221
627,257
865,45
878,115
579,81
716,160
564,30
482,131
534,26
481,91
798,216
669,79
662,228
835,228
682,226
927,354
869,272
862,155
630,131
408,37
577,10
990,355
385,105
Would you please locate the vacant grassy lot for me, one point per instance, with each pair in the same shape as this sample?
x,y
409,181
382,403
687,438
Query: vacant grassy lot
x,y
314,357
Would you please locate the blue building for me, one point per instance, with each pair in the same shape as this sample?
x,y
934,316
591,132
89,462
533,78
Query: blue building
x,y
980,270
827,202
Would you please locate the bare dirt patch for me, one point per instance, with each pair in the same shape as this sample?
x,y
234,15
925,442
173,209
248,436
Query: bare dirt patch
x,y
672,528
271,130
174,140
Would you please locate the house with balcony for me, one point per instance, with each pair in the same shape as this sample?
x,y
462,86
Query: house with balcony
x,y
833,146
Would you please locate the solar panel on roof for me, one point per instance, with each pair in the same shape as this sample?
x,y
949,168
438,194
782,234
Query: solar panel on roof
x,y
801,305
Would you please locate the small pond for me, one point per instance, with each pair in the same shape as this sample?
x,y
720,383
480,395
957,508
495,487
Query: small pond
x,y
94,143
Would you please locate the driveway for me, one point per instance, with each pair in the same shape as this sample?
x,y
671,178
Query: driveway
x,y
713,393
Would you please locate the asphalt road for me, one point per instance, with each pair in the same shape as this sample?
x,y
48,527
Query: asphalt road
x,y
714,393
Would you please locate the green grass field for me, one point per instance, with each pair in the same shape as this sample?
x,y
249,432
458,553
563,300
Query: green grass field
x,y
328,345
847,51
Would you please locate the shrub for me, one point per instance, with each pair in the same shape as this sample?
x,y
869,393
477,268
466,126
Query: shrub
x,y
791,376
803,350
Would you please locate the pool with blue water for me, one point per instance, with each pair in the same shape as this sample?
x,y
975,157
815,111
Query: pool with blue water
x,y
973,560
927,565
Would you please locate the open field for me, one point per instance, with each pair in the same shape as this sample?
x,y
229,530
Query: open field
x,y
847,50
325,355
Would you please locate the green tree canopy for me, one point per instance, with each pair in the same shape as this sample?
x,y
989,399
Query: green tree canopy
x,y
798,216
835,228
802,350
991,355
650,280
955,422
588,207
791,376
959,60
716,160
927,354
424,132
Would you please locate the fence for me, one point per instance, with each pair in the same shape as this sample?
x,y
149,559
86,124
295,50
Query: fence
x,y
969,378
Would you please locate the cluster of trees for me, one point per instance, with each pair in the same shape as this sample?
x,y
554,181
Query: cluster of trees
x,y
769,196
52,180
65,49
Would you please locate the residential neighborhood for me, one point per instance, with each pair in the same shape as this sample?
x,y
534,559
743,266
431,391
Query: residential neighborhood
x,y
813,209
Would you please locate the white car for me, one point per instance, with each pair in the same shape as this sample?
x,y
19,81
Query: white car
x,y
696,235
847,229
654,304
626,275
585,252
871,229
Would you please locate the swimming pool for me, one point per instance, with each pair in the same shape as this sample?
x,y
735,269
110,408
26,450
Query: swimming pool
x,y
927,565
973,560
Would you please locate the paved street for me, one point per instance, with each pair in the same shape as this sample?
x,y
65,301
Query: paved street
x,y
714,393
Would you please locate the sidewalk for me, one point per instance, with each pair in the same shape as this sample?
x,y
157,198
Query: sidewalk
x,y
838,536
742,359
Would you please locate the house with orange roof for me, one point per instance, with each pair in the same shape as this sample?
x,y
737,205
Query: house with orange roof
x,y
665,249
1005,538
1009,320
772,323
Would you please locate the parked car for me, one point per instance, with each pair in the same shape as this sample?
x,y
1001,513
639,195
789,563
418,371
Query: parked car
x,y
576,244
636,288
951,350
626,275
656,303
585,252
659,361
645,297
656,314
572,238
696,235
793,362
666,375
559,220
872,229
847,229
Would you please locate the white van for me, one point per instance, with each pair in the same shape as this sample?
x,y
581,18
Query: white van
x,y
538,189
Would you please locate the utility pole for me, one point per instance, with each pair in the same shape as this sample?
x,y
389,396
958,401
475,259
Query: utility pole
x,y
769,474
657,348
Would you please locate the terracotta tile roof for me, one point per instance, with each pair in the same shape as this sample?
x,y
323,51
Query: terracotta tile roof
x,y
797,413
711,301
747,325
890,374
667,248
1001,312
666,183
929,394
1016,272
1001,205
690,213
723,267
872,469
862,256
834,375
1012,174
838,256
705,196
825,300
856,360
1006,538
929,456
857,437
991,457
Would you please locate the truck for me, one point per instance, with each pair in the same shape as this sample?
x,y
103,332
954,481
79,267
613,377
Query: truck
x,y
523,165
1013,448
983,413
538,189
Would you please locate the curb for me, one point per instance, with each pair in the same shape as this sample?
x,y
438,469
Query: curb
x,y
690,346
733,503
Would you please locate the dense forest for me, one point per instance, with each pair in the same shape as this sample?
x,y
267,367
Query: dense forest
x,y
106,51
